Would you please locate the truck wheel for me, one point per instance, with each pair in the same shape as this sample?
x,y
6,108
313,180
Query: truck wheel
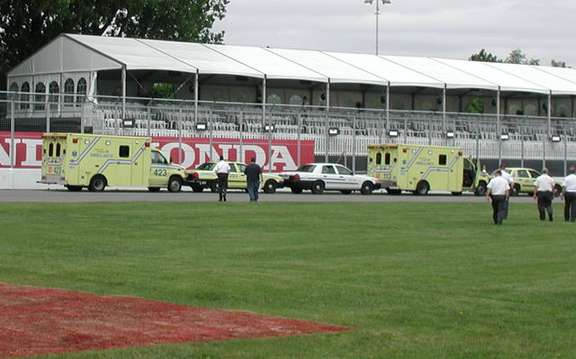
x,y
154,189
516,190
318,187
422,188
197,188
74,188
174,184
367,188
296,190
97,183
269,186
481,189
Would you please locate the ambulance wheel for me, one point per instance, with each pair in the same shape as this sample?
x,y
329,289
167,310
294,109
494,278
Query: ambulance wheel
x,y
481,189
367,188
318,187
174,184
515,190
74,188
269,186
154,189
97,184
213,187
422,188
296,190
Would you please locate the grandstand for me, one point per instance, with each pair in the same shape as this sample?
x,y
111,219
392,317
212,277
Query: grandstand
x,y
344,102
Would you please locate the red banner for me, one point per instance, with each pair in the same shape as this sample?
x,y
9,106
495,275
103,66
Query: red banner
x,y
284,154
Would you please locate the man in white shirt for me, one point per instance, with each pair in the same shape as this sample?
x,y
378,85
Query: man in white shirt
x,y
222,170
570,196
545,194
508,177
498,192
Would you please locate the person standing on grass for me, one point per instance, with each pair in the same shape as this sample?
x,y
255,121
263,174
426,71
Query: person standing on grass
x,y
544,193
570,196
508,177
222,170
253,174
498,192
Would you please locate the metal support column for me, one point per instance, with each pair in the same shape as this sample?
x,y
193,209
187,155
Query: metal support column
x,y
12,134
498,127
123,92
521,148
326,124
299,142
444,115
565,155
240,155
196,97
548,129
269,125
387,110
354,145
179,119
149,120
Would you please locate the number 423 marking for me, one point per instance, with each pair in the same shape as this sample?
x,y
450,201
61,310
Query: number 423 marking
x,y
160,172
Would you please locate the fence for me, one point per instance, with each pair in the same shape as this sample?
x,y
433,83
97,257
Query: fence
x,y
340,134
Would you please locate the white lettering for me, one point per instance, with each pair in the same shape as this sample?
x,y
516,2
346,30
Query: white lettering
x,y
189,155
282,159
206,153
5,155
31,160
257,152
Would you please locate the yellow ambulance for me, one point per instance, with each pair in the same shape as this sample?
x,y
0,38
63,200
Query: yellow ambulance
x,y
420,169
97,161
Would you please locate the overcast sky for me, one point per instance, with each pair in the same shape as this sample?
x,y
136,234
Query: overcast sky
x,y
543,29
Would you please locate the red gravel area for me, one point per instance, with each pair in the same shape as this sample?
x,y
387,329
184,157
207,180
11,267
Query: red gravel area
x,y
36,321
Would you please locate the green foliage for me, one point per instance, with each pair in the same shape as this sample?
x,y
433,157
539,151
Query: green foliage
x,y
163,90
557,63
476,105
411,280
484,56
29,24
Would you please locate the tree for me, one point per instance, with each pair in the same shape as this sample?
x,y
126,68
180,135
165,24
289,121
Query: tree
x,y
484,56
516,57
27,25
556,63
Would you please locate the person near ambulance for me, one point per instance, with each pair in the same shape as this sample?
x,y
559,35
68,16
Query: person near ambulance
x,y
253,174
222,170
508,177
569,186
498,193
544,193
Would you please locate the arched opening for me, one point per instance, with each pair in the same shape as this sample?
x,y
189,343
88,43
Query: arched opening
x,y
25,96
40,96
68,89
54,90
81,90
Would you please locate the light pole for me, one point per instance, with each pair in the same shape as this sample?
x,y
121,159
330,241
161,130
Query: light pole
x,y
384,2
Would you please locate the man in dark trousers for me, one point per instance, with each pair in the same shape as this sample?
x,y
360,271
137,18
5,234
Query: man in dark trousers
x,y
253,174
544,193
222,170
570,196
498,192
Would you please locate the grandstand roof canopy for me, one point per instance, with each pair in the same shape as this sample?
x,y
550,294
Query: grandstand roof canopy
x,y
74,53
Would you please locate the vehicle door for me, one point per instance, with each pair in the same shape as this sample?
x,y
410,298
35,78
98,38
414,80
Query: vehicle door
x,y
534,174
158,170
331,178
237,178
469,176
524,180
350,181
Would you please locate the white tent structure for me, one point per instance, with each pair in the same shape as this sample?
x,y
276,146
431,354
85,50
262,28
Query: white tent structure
x,y
81,58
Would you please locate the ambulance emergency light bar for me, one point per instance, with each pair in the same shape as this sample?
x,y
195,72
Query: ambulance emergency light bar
x,y
556,138
333,131
393,133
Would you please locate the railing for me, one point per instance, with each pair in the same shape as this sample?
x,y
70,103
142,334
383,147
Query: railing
x,y
338,132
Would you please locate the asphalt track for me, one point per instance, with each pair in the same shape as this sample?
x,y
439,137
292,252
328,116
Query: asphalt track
x,y
115,196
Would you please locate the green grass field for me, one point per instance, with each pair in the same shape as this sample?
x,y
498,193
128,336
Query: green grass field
x,y
411,280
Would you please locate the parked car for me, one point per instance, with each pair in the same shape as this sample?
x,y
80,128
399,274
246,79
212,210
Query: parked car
x,y
524,181
203,177
318,177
